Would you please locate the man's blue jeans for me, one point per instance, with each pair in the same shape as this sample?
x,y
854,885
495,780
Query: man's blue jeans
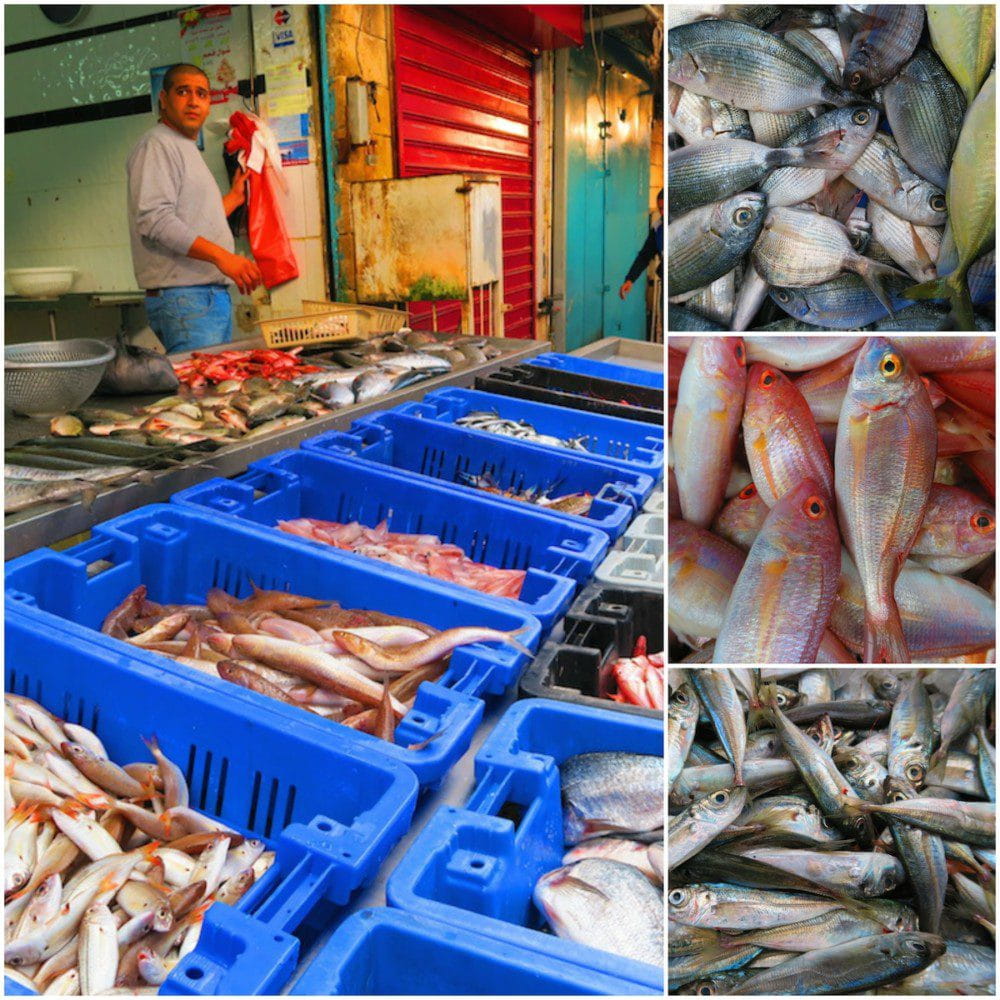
x,y
191,317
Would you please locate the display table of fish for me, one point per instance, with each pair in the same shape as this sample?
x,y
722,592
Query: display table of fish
x,y
830,498
834,163
832,831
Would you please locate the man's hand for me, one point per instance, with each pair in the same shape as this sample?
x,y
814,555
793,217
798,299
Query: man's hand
x,y
242,270
625,289
237,194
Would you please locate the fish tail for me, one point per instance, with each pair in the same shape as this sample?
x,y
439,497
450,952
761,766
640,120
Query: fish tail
x,y
934,289
874,274
961,300
813,154
884,641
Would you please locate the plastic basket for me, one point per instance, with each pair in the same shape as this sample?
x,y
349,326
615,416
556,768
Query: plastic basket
x,y
179,553
654,503
637,559
383,951
440,451
315,328
601,627
475,868
577,392
363,321
624,442
601,369
556,556
330,814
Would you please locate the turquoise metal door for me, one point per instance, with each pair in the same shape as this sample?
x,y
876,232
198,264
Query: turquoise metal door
x,y
607,193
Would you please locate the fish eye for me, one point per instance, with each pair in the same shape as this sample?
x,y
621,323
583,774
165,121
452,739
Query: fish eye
x,y
706,991
814,508
747,492
782,296
782,700
938,202
681,697
739,352
897,797
890,365
917,946
742,217
915,773
889,883
677,897
860,117
982,523
855,79
720,798
767,378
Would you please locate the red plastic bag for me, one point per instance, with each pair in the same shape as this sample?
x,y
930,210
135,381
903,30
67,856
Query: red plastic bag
x,y
269,242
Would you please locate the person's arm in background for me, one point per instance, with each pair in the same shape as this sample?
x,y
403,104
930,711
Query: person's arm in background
x,y
642,258
237,193
154,187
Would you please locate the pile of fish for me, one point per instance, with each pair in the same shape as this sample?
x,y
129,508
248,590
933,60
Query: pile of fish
x,y
635,679
357,667
108,871
203,368
609,892
839,159
832,831
425,554
492,423
385,364
540,496
853,516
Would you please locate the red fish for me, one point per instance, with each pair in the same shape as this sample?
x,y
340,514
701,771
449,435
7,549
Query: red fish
x,y
782,441
886,450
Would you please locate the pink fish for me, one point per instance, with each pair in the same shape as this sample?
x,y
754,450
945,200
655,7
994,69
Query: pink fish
x,y
886,450
782,441
958,531
977,390
782,600
706,424
948,354
703,569
742,518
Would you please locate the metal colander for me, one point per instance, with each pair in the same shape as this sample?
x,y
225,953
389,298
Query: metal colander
x,y
53,376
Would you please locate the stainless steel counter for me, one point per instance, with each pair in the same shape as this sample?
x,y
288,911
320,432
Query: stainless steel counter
x,y
49,524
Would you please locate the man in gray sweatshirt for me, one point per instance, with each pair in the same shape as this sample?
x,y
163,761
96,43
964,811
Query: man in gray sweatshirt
x,y
182,248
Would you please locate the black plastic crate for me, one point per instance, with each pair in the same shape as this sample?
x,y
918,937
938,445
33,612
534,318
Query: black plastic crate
x,y
579,392
601,627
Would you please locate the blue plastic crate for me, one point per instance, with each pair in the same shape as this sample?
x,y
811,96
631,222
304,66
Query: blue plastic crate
x,y
439,451
475,869
180,553
600,369
632,444
555,555
330,814
382,952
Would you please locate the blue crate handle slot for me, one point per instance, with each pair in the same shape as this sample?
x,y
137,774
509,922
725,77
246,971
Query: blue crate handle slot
x,y
212,969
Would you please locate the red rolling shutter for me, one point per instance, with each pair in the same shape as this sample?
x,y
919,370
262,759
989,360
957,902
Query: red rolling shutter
x,y
464,103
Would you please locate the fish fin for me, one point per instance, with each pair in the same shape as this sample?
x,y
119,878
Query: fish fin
x,y
884,641
584,886
873,274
